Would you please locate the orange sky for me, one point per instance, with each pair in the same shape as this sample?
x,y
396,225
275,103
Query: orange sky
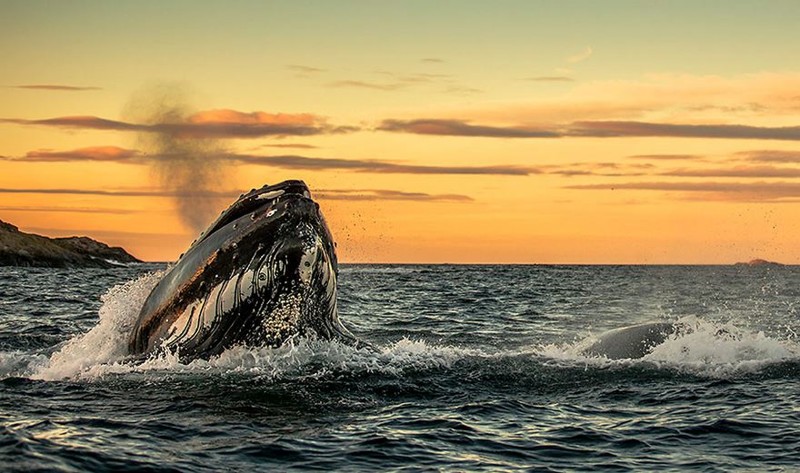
x,y
460,132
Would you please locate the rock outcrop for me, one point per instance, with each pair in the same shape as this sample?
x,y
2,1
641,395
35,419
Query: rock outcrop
x,y
26,249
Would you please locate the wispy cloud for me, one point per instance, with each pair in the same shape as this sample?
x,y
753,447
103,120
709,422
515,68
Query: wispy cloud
x,y
634,128
56,87
387,167
461,128
419,77
394,81
593,129
207,124
120,192
550,79
129,156
289,145
432,60
89,210
738,171
360,84
604,169
580,57
771,156
382,194
95,153
461,90
666,157
323,194
305,70
734,191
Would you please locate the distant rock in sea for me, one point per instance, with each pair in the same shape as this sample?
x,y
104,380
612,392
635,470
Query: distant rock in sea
x,y
26,249
758,262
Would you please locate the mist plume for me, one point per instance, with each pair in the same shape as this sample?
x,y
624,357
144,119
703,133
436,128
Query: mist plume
x,y
191,167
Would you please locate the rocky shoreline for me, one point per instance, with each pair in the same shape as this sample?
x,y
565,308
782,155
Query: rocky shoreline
x,y
26,249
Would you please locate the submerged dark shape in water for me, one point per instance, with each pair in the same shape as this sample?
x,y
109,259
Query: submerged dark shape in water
x,y
632,342
263,272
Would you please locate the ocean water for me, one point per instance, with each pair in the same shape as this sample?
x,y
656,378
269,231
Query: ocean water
x,y
474,368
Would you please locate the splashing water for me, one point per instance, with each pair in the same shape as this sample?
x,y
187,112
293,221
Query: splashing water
x,y
704,348
102,350
107,342
700,347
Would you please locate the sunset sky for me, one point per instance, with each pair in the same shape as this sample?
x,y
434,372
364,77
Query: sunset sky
x,y
451,131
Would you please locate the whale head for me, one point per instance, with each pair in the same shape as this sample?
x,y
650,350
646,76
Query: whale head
x,y
265,271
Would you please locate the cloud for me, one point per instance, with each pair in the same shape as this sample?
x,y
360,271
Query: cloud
x,y
734,191
129,156
89,210
605,129
382,194
367,85
771,156
95,153
81,121
207,124
666,157
432,60
289,145
462,90
580,57
399,81
303,162
420,77
550,79
305,70
65,88
122,193
605,169
739,171
461,128
593,129
323,194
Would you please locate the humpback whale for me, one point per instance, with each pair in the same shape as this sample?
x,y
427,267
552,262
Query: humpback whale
x,y
265,271
632,342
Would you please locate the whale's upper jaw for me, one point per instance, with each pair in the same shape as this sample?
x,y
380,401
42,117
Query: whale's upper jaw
x,y
254,201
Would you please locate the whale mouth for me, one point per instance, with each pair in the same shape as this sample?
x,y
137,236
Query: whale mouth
x,y
263,272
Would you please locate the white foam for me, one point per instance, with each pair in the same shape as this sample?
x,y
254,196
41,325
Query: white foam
x,y
705,348
721,348
299,359
701,347
107,341
102,351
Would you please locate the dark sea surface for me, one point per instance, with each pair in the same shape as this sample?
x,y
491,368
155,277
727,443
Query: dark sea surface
x,y
474,368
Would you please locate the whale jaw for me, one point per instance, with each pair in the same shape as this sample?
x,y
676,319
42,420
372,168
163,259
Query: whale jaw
x,y
266,271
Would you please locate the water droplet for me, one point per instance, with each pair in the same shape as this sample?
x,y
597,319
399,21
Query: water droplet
x,y
235,226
